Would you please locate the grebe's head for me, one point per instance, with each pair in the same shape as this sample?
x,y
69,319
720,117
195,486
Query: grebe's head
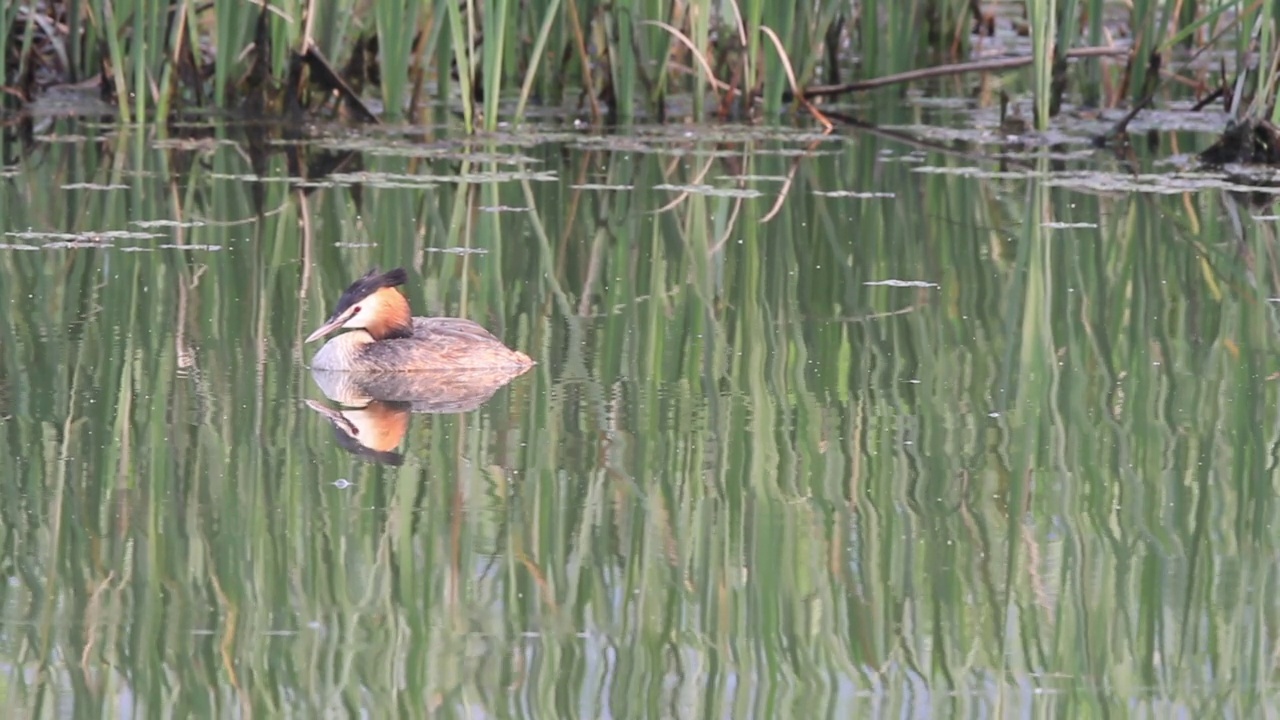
x,y
371,304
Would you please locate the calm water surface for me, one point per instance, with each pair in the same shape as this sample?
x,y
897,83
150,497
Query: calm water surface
x,y
821,427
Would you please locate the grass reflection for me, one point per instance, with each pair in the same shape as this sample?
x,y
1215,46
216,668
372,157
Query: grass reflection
x,y
747,477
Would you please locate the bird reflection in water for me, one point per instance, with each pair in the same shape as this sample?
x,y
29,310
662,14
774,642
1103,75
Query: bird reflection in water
x,y
375,408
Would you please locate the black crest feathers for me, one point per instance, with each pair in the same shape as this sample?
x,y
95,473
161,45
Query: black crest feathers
x,y
372,282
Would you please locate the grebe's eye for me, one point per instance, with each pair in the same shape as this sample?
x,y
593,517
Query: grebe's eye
x,y
356,311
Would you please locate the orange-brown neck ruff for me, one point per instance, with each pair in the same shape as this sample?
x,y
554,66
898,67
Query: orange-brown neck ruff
x,y
389,315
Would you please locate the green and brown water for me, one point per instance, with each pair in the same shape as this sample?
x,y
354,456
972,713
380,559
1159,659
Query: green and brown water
x,y
821,427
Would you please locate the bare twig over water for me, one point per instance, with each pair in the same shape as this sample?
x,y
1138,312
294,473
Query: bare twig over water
x,y
1005,63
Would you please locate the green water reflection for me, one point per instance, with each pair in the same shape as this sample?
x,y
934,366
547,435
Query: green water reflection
x,y
744,480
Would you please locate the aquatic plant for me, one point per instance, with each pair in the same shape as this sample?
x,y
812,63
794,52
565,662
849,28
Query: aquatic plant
x,y
607,62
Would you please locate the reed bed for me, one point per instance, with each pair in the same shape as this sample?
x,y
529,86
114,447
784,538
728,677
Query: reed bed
x,y
492,61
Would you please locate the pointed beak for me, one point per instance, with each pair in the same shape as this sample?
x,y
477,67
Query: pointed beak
x,y
333,416
329,326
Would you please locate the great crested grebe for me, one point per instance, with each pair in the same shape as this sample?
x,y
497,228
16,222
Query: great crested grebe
x,y
385,337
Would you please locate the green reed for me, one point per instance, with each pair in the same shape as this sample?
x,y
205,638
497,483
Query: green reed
x,y
462,33
397,22
1041,15
549,14
499,39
